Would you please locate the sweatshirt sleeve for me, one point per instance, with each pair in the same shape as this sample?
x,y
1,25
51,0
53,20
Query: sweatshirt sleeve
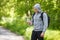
x,y
45,20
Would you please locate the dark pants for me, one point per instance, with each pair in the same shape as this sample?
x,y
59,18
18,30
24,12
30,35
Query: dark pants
x,y
36,35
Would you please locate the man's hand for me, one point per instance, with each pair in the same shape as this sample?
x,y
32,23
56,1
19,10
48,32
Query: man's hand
x,y
30,23
42,34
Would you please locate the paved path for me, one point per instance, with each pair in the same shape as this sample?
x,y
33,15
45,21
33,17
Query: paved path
x,y
7,35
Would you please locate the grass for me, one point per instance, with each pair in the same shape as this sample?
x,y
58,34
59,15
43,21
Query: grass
x,y
49,34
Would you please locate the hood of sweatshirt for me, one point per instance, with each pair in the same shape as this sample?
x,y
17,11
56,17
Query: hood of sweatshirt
x,y
38,7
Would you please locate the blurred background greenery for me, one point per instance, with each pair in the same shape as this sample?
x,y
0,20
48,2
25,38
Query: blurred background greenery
x,y
13,17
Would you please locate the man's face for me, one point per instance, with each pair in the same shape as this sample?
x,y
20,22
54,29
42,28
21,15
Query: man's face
x,y
35,10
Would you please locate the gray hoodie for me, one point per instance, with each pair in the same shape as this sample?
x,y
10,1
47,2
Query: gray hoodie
x,y
38,24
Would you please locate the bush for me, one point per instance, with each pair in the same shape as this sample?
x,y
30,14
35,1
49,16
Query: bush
x,y
18,26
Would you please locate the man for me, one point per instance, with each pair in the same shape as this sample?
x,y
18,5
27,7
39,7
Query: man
x,y
39,25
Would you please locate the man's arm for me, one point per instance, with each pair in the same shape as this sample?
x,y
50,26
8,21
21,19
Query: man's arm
x,y
31,22
45,20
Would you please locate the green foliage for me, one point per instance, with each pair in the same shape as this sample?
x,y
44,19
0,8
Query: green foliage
x,y
18,26
12,15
